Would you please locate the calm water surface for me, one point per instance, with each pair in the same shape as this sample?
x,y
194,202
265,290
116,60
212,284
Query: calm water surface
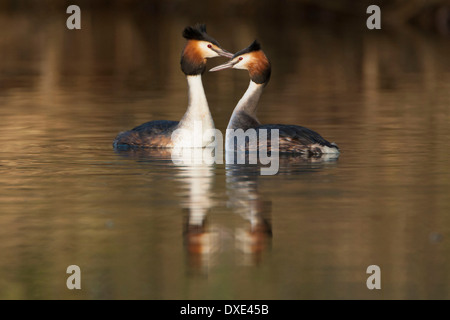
x,y
141,227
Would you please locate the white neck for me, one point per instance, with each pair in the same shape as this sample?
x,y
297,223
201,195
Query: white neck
x,y
248,103
197,104
198,110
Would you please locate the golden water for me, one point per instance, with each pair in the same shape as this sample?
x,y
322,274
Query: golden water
x,y
309,232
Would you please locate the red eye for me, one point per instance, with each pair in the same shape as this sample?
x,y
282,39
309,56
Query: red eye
x,y
240,58
209,46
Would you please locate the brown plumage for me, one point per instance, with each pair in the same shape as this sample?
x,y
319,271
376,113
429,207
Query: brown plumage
x,y
193,53
153,134
258,67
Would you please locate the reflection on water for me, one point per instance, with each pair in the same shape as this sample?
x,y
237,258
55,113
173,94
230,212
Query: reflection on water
x,y
253,238
204,240
140,226
201,240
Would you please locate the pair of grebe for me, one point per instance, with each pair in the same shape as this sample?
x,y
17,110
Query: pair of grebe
x,y
199,47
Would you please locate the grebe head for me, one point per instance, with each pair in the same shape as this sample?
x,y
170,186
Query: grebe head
x,y
252,59
199,47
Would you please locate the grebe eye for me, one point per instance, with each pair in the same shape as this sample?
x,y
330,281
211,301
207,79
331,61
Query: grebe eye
x,y
240,58
209,46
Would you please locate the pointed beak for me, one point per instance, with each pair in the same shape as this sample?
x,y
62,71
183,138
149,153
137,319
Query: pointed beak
x,y
222,52
226,65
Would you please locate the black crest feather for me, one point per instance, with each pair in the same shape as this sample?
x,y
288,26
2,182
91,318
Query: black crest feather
x,y
255,46
198,32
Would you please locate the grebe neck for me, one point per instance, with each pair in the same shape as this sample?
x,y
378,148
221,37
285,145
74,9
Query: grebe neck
x,y
198,108
247,105
197,111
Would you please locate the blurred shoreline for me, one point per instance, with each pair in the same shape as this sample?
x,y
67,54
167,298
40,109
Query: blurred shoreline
x,y
432,15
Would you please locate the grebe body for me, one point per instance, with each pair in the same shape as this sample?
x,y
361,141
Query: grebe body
x,y
152,134
163,133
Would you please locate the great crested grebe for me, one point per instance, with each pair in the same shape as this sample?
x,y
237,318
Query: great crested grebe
x,y
292,138
158,133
